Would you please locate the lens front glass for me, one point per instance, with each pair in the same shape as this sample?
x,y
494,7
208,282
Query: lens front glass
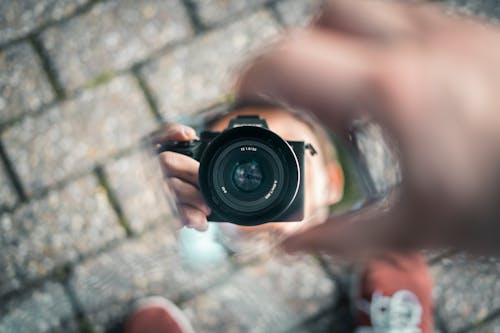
x,y
247,175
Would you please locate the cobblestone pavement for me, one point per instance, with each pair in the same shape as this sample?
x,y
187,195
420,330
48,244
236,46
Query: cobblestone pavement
x,y
81,233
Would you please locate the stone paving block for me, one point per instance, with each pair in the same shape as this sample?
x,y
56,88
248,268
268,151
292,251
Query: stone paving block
x,y
214,11
58,229
18,18
71,137
150,265
112,36
199,74
466,290
7,195
46,309
268,297
136,180
23,84
297,12
8,278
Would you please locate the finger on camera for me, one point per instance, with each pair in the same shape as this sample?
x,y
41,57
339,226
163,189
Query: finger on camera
x,y
180,166
176,132
186,193
193,218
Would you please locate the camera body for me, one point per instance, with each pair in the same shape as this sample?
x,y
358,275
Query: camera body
x,y
248,174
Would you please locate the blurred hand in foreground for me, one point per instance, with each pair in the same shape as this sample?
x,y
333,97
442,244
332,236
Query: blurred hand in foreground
x,y
432,80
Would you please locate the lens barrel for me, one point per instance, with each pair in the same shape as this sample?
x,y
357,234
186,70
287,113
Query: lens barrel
x,y
249,175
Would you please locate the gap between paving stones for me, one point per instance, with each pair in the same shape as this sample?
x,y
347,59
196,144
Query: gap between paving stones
x,y
439,322
265,6
113,36
12,175
59,185
194,73
75,138
103,78
78,11
144,266
272,7
482,323
192,11
24,84
51,305
52,75
102,177
81,319
48,67
146,90
137,65
62,273
57,275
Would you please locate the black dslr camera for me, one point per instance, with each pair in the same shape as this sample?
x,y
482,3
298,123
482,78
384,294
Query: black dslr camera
x,y
248,174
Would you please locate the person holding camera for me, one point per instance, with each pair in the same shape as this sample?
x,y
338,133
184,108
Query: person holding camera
x,y
431,80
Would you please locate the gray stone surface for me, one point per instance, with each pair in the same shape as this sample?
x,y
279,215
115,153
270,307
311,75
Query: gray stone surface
x,y
297,12
214,11
136,180
58,229
485,8
489,327
7,195
8,277
23,84
71,137
336,319
17,18
199,74
269,297
380,156
112,36
46,309
466,290
150,265
107,117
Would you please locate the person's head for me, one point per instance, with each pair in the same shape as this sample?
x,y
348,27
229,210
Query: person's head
x,y
324,180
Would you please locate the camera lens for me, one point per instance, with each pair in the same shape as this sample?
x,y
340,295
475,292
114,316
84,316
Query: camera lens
x,y
247,176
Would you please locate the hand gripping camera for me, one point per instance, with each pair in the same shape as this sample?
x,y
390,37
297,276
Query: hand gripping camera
x,y
248,174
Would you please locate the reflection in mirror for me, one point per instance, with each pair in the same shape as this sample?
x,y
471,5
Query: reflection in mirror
x,y
259,173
